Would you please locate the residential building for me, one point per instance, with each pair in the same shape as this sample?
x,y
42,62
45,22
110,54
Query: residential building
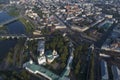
x,y
112,43
37,32
117,29
115,72
104,70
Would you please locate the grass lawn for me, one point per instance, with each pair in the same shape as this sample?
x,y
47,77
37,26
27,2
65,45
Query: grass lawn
x,y
28,25
13,11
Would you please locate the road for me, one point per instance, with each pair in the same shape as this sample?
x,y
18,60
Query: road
x,y
98,46
97,65
100,42
88,63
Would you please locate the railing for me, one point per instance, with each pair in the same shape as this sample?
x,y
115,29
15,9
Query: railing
x,y
21,36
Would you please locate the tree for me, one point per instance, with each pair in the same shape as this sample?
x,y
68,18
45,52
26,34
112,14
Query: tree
x,y
47,46
9,59
63,58
65,50
25,75
63,64
64,54
77,68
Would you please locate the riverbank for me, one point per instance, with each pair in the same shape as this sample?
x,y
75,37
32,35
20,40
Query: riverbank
x,y
1,6
28,25
13,11
14,57
5,46
1,39
3,28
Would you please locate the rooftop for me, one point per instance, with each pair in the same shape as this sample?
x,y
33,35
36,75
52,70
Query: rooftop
x,y
41,70
116,72
49,54
104,71
41,46
112,43
117,28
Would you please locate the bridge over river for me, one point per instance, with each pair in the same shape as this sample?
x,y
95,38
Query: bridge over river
x,y
9,21
17,36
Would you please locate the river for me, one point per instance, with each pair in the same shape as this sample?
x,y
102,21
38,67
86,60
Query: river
x,y
13,28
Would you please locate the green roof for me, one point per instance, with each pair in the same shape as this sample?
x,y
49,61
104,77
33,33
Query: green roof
x,y
50,57
41,69
49,54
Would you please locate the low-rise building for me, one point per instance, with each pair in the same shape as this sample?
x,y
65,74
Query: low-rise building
x,y
109,16
105,25
112,43
117,29
104,70
31,14
115,72
104,55
81,29
60,26
37,32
